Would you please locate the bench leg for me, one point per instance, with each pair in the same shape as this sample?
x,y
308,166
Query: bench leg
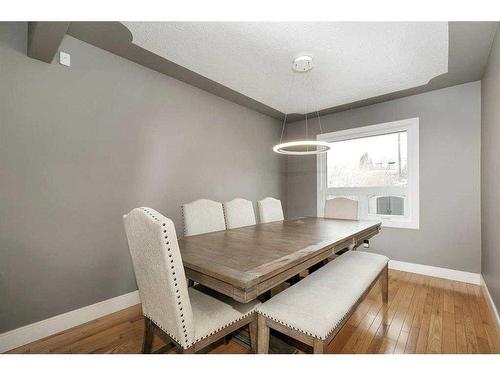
x,y
252,328
147,343
263,335
385,284
319,346
190,283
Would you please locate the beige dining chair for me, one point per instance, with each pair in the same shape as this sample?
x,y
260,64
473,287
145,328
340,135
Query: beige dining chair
x,y
341,208
270,210
239,213
203,216
338,208
189,318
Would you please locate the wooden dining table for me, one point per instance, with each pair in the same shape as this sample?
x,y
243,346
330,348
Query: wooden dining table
x,y
247,262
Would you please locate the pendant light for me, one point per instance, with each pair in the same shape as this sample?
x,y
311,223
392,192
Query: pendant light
x,y
302,65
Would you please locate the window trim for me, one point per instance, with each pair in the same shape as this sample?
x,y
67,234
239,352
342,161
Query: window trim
x,y
411,126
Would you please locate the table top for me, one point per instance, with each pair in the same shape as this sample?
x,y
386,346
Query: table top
x,y
244,257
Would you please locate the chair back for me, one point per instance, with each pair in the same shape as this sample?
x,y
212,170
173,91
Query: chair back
x,y
239,213
203,216
341,208
159,273
270,210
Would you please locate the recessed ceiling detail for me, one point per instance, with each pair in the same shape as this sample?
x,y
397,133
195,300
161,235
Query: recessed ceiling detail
x,y
355,60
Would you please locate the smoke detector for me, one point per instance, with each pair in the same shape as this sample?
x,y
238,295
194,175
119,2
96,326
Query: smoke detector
x,y
302,64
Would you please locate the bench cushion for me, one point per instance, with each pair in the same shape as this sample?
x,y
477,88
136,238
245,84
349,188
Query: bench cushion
x,y
317,304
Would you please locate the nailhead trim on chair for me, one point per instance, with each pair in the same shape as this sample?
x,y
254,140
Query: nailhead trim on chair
x,y
224,214
225,326
204,337
179,303
186,345
183,221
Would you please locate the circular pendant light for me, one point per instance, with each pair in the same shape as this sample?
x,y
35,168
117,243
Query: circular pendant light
x,y
302,64
302,148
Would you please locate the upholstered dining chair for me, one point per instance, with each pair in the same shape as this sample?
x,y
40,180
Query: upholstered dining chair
x,y
203,216
189,318
341,208
239,213
270,210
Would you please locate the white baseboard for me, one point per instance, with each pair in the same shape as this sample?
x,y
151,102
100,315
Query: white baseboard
x,y
489,300
36,331
444,273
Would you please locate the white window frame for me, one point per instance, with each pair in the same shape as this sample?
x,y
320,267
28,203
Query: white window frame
x,y
411,219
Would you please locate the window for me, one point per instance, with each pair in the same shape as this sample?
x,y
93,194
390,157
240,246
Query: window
x,y
376,165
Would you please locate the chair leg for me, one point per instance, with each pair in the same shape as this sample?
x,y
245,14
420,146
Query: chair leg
x,y
319,346
189,350
385,284
147,343
263,335
252,328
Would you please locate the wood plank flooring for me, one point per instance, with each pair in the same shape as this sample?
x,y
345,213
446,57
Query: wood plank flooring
x,y
424,315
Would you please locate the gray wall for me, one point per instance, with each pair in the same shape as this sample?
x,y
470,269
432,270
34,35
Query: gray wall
x,y
490,173
81,146
450,223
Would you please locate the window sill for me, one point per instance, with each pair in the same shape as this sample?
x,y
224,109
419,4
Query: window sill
x,y
398,224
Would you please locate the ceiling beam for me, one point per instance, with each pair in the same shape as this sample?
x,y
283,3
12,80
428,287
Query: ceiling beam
x,y
44,39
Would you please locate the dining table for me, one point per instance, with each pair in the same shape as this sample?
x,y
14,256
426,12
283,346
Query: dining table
x,y
246,263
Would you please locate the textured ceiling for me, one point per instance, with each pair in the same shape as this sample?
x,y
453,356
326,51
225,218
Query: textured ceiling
x,y
353,60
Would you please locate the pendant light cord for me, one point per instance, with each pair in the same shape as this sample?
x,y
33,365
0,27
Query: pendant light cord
x,y
307,132
307,108
287,101
302,64
283,129
313,92
317,111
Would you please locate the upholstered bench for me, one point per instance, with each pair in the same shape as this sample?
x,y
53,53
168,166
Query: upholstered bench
x,y
314,310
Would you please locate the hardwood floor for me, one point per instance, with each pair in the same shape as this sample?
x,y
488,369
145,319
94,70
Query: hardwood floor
x,y
424,315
